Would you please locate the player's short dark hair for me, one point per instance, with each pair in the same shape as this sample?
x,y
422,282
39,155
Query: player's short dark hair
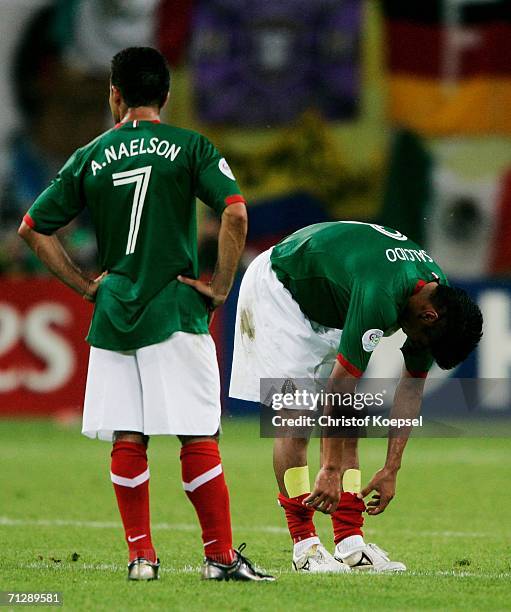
x,y
142,76
460,326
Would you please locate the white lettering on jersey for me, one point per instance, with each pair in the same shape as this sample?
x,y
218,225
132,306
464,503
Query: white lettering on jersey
x,y
123,151
163,151
173,152
110,154
95,167
407,255
152,145
162,148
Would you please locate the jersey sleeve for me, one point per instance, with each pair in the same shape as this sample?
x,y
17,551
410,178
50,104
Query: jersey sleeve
x,y
216,185
418,361
371,312
59,203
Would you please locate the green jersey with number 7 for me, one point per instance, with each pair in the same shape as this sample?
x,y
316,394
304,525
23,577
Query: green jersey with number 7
x,y
140,180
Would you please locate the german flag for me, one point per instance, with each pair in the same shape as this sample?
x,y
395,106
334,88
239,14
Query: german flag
x,y
450,65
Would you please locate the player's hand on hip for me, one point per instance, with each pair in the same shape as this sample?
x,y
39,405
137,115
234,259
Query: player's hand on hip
x,y
383,483
327,491
205,289
92,289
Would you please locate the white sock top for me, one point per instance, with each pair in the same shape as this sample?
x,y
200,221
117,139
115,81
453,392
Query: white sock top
x,y
301,546
349,543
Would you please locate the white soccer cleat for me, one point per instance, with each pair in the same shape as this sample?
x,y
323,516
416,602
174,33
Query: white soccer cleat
x,y
368,557
317,560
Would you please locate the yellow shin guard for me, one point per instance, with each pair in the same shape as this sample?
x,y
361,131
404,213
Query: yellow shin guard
x,y
351,481
296,481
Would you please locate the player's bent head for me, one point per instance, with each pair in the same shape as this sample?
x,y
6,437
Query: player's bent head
x,y
142,76
460,329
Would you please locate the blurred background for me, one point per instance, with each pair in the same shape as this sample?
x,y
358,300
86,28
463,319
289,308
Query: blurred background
x,y
390,111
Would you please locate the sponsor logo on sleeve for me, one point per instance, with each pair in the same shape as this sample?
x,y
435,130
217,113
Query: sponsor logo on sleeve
x,y
224,169
371,339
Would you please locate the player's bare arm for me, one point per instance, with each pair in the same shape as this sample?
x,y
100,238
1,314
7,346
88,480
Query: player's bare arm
x,y
142,204
344,286
327,487
407,404
231,242
50,251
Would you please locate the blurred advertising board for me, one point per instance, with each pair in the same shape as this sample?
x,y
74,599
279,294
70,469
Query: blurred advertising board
x,y
43,352
44,356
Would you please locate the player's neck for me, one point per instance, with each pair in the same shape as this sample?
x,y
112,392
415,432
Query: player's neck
x,y
141,113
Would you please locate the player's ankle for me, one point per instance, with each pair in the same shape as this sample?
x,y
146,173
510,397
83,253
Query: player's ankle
x,y
225,558
302,545
146,553
350,543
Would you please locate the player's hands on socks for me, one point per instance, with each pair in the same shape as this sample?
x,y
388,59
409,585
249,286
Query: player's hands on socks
x,y
327,491
384,485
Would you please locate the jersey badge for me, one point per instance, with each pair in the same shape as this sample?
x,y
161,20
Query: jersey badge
x,y
224,169
371,339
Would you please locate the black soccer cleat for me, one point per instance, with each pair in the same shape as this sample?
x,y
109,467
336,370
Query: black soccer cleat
x,y
142,569
240,569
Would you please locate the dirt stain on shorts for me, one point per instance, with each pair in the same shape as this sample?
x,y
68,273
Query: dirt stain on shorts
x,y
247,324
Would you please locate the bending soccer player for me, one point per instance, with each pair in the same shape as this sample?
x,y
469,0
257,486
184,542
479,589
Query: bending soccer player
x,y
152,367
315,306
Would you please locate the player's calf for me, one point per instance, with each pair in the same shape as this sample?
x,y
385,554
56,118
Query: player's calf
x,y
130,476
204,484
308,553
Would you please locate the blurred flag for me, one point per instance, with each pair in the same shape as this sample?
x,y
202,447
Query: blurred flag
x,y
500,256
461,225
173,26
450,65
446,197
258,62
407,194
94,30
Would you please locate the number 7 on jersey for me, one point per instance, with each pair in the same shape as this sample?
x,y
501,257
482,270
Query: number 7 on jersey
x,y
139,176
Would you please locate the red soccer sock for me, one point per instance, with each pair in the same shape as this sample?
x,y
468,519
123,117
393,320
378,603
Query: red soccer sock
x,y
204,484
298,516
130,476
347,520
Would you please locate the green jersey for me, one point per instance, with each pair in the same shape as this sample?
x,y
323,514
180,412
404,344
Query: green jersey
x,y
139,181
356,277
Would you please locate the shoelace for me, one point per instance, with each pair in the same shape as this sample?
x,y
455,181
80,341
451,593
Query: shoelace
x,y
379,550
242,558
319,556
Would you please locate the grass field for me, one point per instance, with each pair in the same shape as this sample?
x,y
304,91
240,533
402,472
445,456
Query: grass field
x,y
59,529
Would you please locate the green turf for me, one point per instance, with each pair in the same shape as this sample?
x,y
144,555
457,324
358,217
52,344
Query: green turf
x,y
450,523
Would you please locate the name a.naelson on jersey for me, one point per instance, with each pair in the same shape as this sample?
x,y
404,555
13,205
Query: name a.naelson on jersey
x,y
137,146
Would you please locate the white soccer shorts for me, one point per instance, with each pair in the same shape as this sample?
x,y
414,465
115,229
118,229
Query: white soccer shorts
x,y
273,338
169,388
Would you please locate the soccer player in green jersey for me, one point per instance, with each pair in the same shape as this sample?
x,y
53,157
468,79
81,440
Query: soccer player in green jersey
x,y
152,367
316,306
